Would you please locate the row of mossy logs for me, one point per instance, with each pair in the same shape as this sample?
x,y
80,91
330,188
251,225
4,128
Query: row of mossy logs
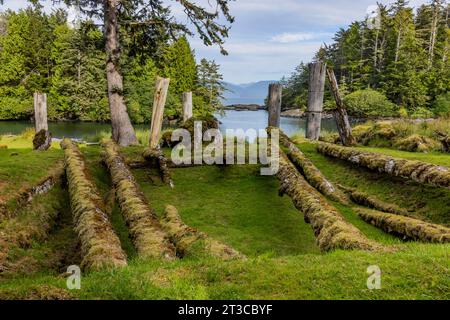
x,y
191,242
421,172
366,200
310,171
331,229
157,155
150,240
100,246
405,227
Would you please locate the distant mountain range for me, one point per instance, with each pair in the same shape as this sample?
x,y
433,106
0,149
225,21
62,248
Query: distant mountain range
x,y
248,93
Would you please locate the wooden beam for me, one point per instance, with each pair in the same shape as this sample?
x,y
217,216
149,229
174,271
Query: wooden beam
x,y
274,104
187,106
340,113
317,73
42,139
159,101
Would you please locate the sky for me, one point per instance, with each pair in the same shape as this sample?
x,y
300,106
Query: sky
x,y
271,37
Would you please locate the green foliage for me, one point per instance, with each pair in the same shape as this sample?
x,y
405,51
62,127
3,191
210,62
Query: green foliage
x,y
369,103
442,105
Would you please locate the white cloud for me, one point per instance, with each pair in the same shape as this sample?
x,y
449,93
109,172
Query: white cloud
x,y
288,37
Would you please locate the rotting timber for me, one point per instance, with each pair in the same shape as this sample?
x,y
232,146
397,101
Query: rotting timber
x,y
421,172
332,231
310,171
189,241
100,246
150,240
405,227
151,155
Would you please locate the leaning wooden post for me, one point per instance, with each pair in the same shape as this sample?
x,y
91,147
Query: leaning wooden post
x,y
340,113
317,72
42,139
274,104
159,101
187,106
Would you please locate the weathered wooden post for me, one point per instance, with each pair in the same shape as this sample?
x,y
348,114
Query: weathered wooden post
x,y
274,104
187,106
159,101
340,113
317,73
42,139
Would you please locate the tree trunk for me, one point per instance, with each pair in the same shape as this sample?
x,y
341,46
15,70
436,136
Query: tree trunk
x,y
274,104
340,113
187,106
434,27
317,72
397,47
122,129
159,101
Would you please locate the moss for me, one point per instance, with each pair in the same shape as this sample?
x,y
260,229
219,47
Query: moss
x,y
310,171
374,203
42,140
405,227
417,171
166,139
154,154
191,242
38,292
100,246
145,230
208,122
416,143
332,231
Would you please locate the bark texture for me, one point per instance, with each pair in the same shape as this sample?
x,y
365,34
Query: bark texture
x,y
187,106
405,227
122,129
310,171
332,231
42,139
190,242
100,246
421,172
146,232
162,87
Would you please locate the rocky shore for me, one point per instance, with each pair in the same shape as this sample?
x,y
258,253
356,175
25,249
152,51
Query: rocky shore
x,y
245,107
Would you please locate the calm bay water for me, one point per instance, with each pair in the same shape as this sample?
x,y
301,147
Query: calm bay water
x,y
231,120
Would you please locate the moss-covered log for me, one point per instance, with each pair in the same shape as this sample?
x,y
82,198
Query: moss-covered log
x,y
310,171
100,246
145,230
372,202
405,227
155,154
330,228
190,241
421,172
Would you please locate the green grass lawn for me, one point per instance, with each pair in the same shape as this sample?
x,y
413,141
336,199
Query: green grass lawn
x,y
241,208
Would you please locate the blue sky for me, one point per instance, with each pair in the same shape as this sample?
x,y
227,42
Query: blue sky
x,y
271,37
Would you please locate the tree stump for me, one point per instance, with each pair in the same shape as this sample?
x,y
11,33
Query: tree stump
x,y
274,104
317,71
42,139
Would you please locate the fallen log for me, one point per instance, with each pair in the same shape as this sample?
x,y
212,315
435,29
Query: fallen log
x,y
421,172
331,229
100,246
310,171
189,241
156,154
405,227
372,202
146,232
445,141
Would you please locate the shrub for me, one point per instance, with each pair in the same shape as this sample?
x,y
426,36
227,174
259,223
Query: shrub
x,y
442,105
422,113
369,103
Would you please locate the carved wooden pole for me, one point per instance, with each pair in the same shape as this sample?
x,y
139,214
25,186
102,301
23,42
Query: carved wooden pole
x,y
317,72
42,139
159,101
340,113
274,104
187,106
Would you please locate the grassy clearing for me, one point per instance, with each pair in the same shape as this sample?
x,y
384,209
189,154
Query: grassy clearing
x,y
241,208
